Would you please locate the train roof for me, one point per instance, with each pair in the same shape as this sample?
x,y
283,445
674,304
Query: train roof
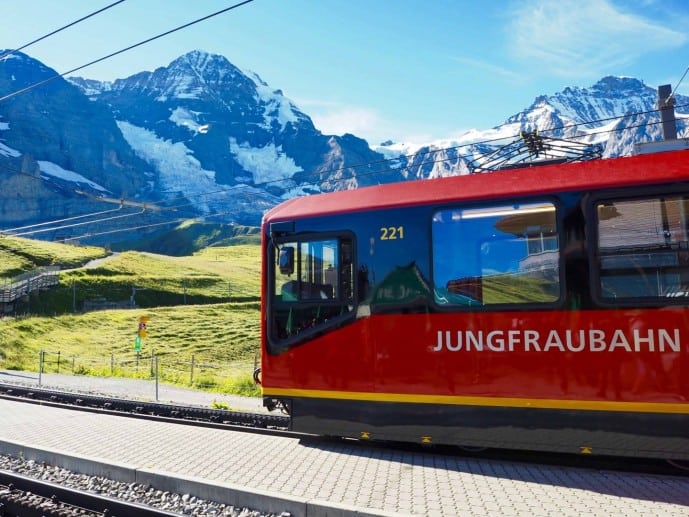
x,y
672,166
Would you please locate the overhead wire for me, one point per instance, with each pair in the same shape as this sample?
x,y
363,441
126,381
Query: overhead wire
x,y
674,90
430,151
484,142
52,78
351,168
10,52
82,216
122,202
132,228
435,151
163,208
34,232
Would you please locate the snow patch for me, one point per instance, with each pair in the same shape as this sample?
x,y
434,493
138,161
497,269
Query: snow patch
x,y
277,106
5,150
189,119
179,171
54,170
8,151
269,164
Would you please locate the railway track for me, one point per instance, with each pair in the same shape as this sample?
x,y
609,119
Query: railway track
x,y
23,496
24,493
182,414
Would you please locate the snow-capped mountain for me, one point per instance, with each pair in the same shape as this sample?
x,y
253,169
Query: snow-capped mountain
x,y
201,137
615,113
223,139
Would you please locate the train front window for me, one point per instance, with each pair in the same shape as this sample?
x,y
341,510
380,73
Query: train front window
x,y
643,249
312,287
507,254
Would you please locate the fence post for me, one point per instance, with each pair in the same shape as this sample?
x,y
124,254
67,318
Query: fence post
x,y
191,377
40,366
73,361
156,361
58,361
112,364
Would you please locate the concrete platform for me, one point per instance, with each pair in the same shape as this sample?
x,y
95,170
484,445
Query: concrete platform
x,y
311,479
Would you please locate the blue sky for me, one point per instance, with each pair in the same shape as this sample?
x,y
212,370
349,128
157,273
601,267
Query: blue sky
x,y
408,70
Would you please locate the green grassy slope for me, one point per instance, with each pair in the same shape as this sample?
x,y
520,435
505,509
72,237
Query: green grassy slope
x,y
205,305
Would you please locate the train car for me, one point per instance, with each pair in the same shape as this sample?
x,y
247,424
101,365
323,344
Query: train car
x,y
543,308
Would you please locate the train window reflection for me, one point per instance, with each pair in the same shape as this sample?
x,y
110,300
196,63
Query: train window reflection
x,y
643,249
496,255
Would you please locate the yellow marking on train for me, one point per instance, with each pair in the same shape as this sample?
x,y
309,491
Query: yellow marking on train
x,y
426,440
585,449
365,435
508,402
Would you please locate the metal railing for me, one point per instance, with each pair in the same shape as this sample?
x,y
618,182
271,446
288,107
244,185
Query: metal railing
x,y
235,377
26,283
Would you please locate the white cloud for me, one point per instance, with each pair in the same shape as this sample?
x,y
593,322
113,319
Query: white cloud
x,y
340,120
585,37
368,124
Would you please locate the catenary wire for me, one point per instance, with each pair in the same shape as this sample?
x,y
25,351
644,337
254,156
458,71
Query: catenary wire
x,y
218,214
131,228
390,169
92,214
33,232
52,78
381,171
352,168
674,90
10,52
372,173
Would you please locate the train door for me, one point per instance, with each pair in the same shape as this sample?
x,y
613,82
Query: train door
x,y
311,287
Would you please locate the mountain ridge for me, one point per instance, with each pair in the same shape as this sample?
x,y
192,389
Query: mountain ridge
x,y
202,138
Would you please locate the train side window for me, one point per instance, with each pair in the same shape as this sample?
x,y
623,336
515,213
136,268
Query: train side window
x,y
506,254
642,252
312,286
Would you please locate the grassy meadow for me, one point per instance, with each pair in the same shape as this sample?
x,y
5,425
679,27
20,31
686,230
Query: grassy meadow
x,y
203,307
19,255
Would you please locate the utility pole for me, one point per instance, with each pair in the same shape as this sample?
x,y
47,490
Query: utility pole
x,y
666,105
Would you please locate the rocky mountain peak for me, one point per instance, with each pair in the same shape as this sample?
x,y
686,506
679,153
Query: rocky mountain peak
x,y
204,135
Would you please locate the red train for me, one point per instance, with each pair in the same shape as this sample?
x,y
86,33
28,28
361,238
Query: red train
x,y
542,308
